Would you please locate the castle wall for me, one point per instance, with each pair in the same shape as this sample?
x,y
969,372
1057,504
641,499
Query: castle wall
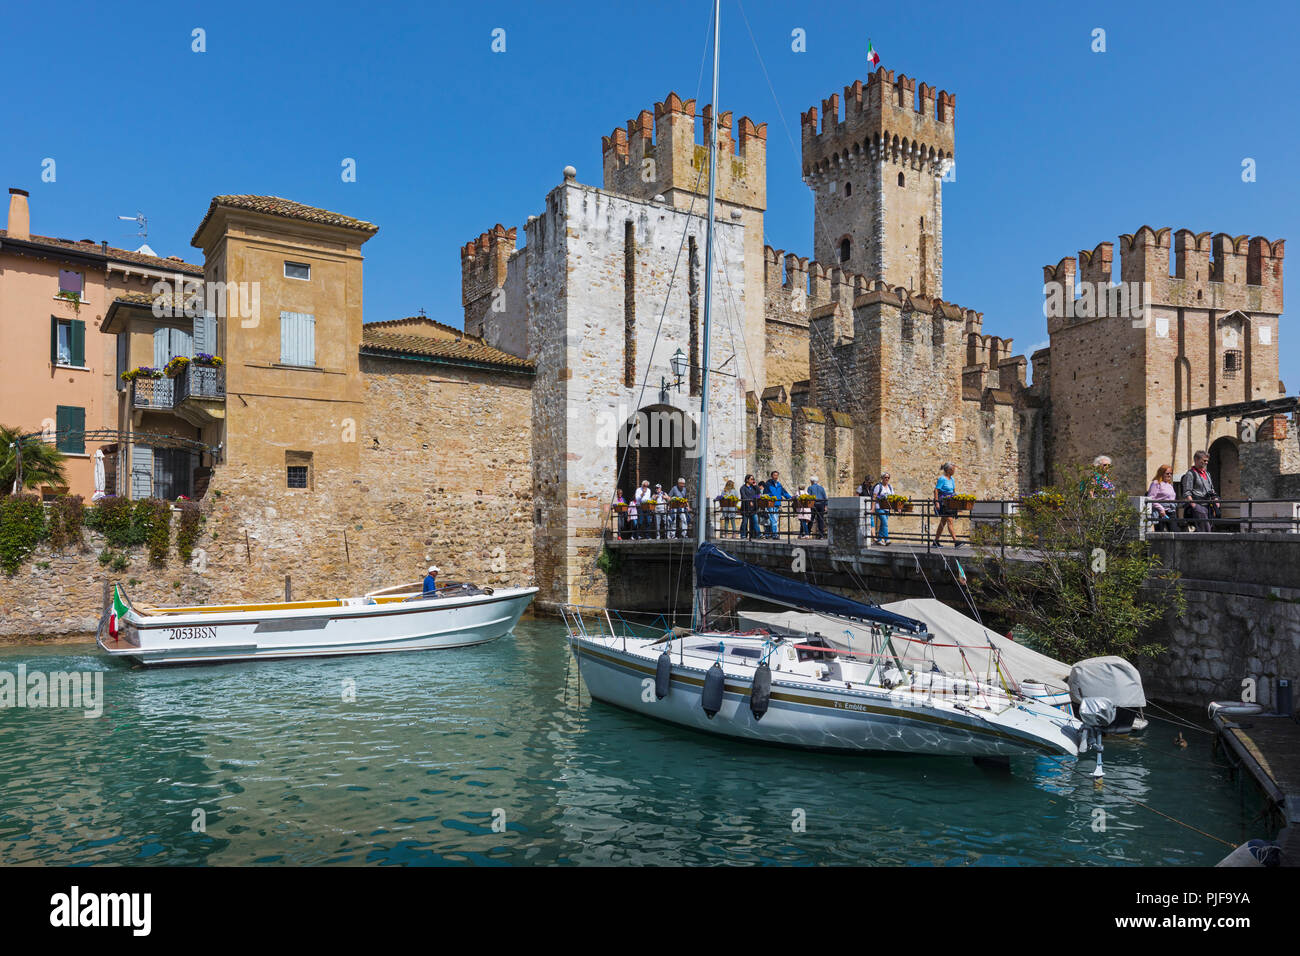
x,y
578,327
786,308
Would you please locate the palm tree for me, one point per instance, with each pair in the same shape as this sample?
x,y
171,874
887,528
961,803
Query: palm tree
x,y
42,463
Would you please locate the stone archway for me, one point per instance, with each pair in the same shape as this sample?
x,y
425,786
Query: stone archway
x,y
1225,468
658,444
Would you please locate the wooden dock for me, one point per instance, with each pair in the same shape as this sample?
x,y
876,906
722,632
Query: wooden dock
x,y
1268,748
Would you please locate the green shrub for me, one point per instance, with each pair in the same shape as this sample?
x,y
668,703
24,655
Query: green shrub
x,y
187,533
154,517
117,519
67,515
22,527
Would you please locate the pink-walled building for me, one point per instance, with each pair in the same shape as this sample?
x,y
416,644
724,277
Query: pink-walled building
x,y
58,369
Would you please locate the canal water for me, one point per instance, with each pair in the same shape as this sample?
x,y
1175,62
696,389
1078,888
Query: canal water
x,y
486,756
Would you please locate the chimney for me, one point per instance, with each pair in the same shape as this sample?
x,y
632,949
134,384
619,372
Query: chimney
x,y
20,217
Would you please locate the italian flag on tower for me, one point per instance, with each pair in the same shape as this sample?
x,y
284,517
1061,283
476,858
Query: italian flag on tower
x,y
116,613
872,56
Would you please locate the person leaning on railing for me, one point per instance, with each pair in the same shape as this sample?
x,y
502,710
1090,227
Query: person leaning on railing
x,y
1099,484
880,495
633,517
1199,493
749,495
818,508
679,521
777,491
1162,490
727,523
645,510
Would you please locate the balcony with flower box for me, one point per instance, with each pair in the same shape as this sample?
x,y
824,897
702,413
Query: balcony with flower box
x,y
150,389
200,388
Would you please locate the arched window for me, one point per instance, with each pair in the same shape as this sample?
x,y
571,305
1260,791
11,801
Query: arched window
x,y
900,179
846,249
848,189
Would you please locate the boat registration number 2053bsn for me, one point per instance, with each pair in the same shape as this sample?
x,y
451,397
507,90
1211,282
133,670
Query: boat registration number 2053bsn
x,y
190,633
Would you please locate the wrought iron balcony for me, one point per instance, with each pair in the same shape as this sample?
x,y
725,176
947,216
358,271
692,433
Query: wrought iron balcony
x,y
152,393
200,381
201,394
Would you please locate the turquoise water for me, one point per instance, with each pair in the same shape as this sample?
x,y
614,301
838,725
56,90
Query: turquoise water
x,y
440,746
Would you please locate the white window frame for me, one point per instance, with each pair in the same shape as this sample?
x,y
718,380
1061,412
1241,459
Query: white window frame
x,y
305,265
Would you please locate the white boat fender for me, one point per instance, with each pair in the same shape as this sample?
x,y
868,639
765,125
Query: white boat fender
x,y
711,698
1234,708
760,692
663,675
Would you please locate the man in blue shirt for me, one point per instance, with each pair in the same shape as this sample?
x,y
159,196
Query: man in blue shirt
x,y
777,491
819,506
431,580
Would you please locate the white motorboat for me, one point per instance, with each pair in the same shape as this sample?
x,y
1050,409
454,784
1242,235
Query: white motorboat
x,y
400,618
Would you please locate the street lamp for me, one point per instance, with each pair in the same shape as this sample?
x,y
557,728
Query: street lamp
x,y
679,365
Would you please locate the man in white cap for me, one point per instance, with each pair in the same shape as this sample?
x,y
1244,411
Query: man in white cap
x,y
819,506
431,580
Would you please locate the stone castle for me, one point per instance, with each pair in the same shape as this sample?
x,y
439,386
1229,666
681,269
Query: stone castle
x,y
853,362
578,370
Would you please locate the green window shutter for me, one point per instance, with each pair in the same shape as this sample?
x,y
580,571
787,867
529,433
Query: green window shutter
x,y
78,343
54,341
70,425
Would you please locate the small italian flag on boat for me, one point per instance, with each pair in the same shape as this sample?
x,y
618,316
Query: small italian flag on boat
x,y
116,613
872,56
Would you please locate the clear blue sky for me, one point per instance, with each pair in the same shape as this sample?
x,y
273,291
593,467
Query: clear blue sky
x,y
1058,147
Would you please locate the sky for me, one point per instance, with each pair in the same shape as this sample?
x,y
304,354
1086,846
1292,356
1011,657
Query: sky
x,y
1058,147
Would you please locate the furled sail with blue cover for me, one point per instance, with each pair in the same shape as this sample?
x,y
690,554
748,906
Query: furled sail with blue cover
x,y
714,568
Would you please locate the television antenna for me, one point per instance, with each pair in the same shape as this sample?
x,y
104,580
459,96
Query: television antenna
x,y
141,222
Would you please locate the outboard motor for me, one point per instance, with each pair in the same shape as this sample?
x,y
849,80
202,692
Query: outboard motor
x,y
1097,713
714,682
1116,680
663,675
760,692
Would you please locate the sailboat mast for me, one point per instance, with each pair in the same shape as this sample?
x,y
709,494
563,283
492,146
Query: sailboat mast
x,y
702,493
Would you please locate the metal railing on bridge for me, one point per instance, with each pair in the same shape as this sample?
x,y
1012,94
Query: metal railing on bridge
x,y
919,523
783,521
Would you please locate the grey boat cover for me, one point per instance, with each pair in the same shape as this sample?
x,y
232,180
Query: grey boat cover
x,y
1111,677
950,628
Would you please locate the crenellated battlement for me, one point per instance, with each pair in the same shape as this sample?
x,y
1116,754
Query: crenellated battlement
x,y
660,152
789,277
1217,271
887,118
484,263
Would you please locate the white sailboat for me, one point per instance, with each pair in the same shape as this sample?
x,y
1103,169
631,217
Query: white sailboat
x,y
401,618
784,689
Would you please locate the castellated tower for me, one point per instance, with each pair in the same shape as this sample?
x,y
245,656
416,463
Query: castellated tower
x,y
1191,322
666,154
877,175
483,270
